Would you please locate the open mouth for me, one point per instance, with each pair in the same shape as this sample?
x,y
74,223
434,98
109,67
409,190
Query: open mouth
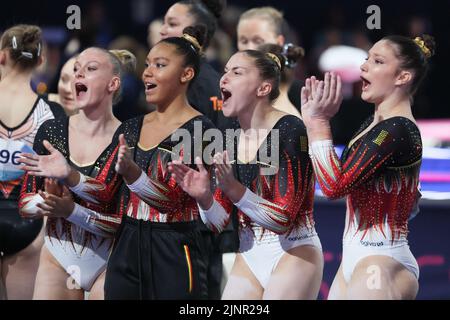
x,y
80,89
149,86
365,83
225,94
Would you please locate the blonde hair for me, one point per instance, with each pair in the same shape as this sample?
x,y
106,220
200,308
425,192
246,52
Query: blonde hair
x,y
123,61
270,14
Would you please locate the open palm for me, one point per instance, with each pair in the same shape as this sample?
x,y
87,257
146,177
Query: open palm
x,y
321,99
53,165
193,182
124,157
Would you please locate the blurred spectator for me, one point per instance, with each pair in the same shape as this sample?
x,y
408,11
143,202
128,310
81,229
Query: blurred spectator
x,y
229,21
258,26
359,39
418,26
65,96
47,72
263,26
96,29
153,32
220,50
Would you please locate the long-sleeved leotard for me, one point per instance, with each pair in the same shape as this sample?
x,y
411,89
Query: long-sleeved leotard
x,y
156,196
100,218
82,243
279,196
379,174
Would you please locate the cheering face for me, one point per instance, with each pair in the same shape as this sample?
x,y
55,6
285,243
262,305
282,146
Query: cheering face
x,y
65,85
164,74
93,78
239,84
254,32
380,73
176,19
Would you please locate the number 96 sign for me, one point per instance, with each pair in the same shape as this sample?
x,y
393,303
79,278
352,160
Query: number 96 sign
x,y
10,151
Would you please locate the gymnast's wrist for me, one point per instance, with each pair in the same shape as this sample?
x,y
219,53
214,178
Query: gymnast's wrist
x,y
132,174
73,178
68,212
206,201
319,129
235,192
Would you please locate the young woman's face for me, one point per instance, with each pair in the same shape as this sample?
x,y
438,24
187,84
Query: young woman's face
x,y
163,76
65,92
93,78
380,73
176,19
254,32
239,84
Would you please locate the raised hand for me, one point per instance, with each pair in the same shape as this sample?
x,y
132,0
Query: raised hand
x,y
125,165
53,165
225,179
193,182
123,156
321,99
224,172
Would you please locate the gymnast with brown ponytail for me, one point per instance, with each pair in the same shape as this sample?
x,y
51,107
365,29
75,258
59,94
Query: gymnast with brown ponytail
x,y
22,113
378,173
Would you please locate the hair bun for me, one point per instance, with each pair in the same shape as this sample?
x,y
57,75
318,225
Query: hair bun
x,y
292,54
426,44
31,37
288,55
25,44
127,60
196,35
430,44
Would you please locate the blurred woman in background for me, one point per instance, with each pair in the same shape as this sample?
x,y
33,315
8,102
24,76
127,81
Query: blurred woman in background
x,y
258,28
65,96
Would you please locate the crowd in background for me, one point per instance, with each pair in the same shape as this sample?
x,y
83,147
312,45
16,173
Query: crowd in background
x,y
334,24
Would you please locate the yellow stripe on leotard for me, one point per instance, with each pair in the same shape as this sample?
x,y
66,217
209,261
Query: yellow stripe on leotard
x,y
189,264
